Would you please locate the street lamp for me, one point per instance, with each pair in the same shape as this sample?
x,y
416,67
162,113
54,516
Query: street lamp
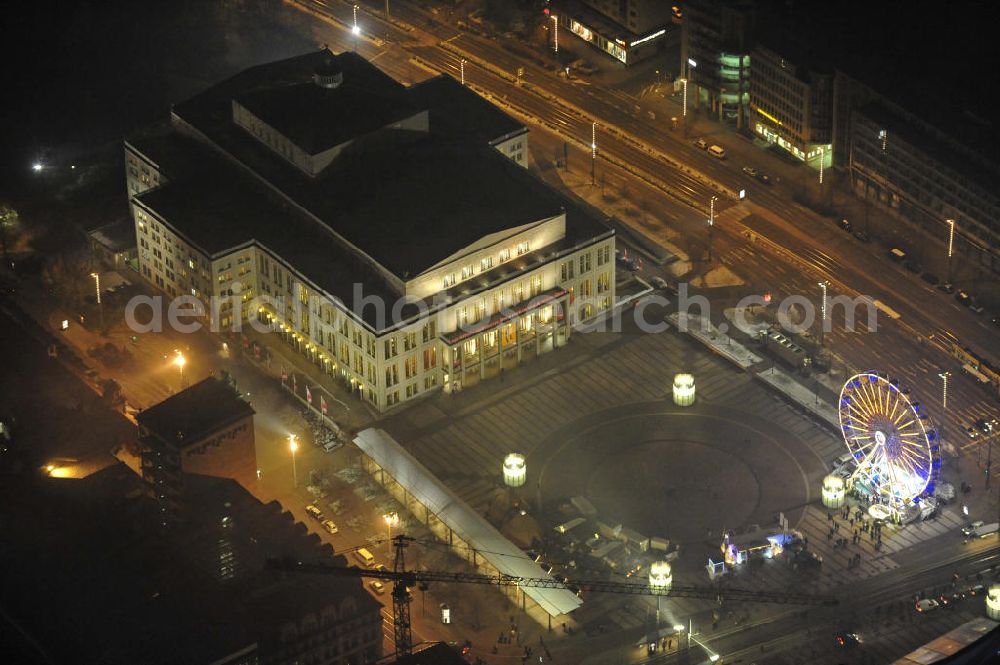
x,y
944,390
461,66
293,445
355,30
97,290
593,151
391,520
180,361
822,309
711,224
951,245
555,33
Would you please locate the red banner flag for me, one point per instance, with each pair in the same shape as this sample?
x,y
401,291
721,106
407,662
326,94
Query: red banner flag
x,y
309,395
284,375
322,405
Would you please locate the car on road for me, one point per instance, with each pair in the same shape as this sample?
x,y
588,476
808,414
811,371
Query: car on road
x,y
926,605
947,287
701,143
330,526
977,590
845,225
862,236
970,527
963,298
986,426
314,512
847,640
996,321
750,171
971,432
377,587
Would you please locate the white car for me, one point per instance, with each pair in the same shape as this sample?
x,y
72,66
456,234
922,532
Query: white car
x,y
330,526
927,604
750,171
377,587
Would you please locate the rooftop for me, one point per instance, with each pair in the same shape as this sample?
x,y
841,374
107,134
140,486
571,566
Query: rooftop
x,y
317,118
195,412
458,111
408,202
119,590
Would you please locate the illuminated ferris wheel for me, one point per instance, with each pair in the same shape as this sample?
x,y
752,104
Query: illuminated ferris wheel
x,y
895,451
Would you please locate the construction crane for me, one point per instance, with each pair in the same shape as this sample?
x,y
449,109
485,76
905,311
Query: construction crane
x,y
403,580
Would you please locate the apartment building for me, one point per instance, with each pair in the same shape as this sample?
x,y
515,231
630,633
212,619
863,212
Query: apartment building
x,y
627,30
391,235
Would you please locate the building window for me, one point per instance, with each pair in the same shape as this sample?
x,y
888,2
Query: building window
x,y
391,375
390,348
430,358
603,255
430,381
504,254
466,272
411,390
536,285
603,282
449,280
430,330
584,262
566,271
522,248
409,341
410,367
392,398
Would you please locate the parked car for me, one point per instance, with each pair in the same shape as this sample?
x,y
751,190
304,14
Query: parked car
x,y
963,298
330,526
845,225
947,287
927,605
314,512
701,143
377,587
750,171
971,432
862,236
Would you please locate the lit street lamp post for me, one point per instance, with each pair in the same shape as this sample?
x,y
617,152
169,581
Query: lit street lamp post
x,y
711,224
355,30
293,445
391,520
461,66
951,245
684,82
593,152
822,309
97,290
555,33
180,361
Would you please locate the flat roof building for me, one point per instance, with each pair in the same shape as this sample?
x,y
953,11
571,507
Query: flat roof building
x,y
627,30
391,235
204,429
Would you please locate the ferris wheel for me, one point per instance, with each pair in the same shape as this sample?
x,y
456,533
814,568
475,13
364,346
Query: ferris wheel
x,y
896,453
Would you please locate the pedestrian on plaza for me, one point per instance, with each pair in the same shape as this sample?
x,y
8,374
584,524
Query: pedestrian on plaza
x,y
852,521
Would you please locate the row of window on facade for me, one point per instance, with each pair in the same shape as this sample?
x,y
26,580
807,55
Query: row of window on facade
x,y
485,264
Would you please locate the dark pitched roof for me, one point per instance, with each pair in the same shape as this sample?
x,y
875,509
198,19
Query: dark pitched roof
x,y
195,412
461,112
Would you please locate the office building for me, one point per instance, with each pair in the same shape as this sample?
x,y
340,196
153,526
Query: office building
x,y
627,30
716,40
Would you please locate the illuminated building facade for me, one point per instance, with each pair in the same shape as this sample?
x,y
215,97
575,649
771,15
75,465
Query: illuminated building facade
x,y
627,30
716,40
391,235
791,105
